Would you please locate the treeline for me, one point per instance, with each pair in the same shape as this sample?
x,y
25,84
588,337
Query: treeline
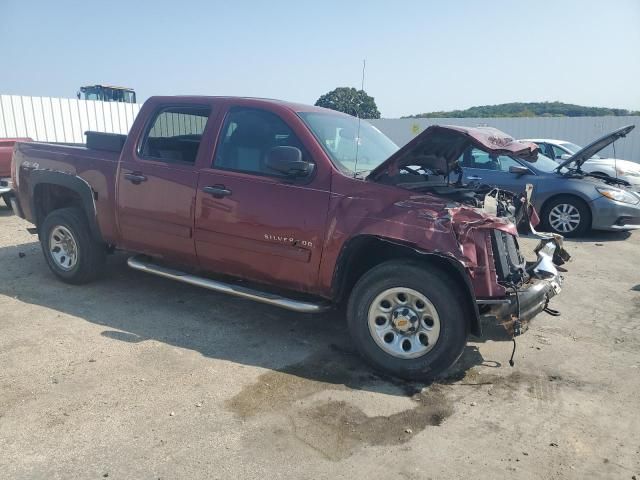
x,y
531,109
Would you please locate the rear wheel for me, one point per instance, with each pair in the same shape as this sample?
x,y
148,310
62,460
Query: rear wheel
x,y
407,320
567,215
70,250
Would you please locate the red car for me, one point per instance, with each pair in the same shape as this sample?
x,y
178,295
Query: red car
x,y
308,208
6,150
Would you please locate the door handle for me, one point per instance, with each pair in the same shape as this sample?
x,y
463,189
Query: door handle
x,y
217,191
474,177
135,178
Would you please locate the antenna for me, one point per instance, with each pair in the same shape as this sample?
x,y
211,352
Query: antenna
x,y
355,165
615,159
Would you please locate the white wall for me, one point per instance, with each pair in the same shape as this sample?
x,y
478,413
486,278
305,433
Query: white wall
x,y
579,130
64,120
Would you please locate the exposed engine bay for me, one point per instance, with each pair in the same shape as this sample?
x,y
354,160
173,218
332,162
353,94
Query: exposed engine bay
x,y
494,201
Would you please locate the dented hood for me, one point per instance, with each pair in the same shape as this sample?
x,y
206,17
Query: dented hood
x,y
439,147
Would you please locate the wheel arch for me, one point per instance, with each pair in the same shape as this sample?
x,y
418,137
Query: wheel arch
x,y
54,190
363,252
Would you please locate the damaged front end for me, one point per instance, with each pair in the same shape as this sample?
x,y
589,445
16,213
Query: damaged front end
x,y
529,285
484,219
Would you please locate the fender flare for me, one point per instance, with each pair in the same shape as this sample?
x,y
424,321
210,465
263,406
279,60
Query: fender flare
x,y
72,182
475,325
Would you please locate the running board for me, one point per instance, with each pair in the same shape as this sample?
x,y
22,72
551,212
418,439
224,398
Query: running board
x,y
137,263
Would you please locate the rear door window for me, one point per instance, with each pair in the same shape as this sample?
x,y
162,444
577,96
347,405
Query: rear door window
x,y
174,134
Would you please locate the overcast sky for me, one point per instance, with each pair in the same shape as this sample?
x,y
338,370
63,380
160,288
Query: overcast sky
x,y
421,55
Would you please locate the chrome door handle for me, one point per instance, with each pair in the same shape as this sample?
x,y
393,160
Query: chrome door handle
x,y
474,177
135,178
217,191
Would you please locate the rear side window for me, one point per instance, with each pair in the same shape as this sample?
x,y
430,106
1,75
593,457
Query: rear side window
x,y
174,134
247,137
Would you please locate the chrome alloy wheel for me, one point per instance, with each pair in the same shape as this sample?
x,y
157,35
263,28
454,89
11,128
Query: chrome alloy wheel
x,y
564,218
63,248
404,323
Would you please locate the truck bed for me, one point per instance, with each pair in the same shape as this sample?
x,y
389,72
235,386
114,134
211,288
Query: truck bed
x,y
98,168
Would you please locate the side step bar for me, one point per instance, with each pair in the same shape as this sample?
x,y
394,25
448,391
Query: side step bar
x,y
138,263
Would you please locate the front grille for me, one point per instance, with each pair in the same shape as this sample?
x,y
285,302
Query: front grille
x,y
510,264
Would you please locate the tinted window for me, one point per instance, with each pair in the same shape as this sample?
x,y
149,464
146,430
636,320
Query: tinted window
x,y
558,152
474,158
248,135
174,134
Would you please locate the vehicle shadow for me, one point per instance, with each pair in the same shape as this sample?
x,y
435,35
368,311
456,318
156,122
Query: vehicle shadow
x,y
135,307
601,236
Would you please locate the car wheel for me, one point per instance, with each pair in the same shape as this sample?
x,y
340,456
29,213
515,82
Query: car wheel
x,y
567,215
70,250
7,200
407,320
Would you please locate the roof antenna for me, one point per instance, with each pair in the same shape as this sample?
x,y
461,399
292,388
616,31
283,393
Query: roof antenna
x,y
355,165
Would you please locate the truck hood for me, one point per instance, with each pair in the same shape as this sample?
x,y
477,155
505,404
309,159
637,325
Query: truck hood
x,y
439,147
593,148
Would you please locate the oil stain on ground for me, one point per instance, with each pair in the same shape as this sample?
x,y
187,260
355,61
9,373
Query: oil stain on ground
x,y
310,397
336,428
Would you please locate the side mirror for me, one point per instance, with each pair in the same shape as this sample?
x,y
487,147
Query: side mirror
x,y
565,156
519,170
288,161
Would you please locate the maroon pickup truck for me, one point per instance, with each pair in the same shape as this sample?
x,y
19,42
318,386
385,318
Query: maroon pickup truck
x,y
299,207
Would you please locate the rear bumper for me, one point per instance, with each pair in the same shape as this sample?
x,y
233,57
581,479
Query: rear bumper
x,y
520,306
4,186
15,206
614,216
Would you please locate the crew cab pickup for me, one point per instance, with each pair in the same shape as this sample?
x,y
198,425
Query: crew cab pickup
x,y
299,207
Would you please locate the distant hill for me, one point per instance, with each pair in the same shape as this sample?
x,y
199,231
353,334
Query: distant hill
x,y
531,109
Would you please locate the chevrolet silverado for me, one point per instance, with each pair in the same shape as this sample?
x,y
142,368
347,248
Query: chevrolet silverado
x,y
302,208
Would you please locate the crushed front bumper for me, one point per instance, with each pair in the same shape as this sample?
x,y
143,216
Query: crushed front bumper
x,y
522,305
524,301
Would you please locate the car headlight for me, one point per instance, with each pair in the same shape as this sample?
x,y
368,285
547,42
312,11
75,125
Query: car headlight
x,y
629,173
618,195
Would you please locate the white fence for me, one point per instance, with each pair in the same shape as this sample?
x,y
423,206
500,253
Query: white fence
x,y
62,120
579,130
65,120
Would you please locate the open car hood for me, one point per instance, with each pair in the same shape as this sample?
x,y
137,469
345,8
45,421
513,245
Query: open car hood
x,y
590,150
439,147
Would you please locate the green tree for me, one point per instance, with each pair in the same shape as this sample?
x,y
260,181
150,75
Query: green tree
x,y
532,109
351,101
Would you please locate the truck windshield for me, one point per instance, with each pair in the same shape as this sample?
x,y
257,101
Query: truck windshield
x,y
338,135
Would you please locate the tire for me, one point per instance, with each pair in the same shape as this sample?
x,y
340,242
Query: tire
x,y
7,200
77,260
442,302
570,205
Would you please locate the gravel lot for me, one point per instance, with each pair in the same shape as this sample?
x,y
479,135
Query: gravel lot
x,y
137,377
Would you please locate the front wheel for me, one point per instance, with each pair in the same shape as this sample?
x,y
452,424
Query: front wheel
x,y
567,215
70,250
406,318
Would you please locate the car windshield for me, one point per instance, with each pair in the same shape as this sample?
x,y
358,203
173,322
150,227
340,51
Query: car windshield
x,y
345,141
546,164
573,148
